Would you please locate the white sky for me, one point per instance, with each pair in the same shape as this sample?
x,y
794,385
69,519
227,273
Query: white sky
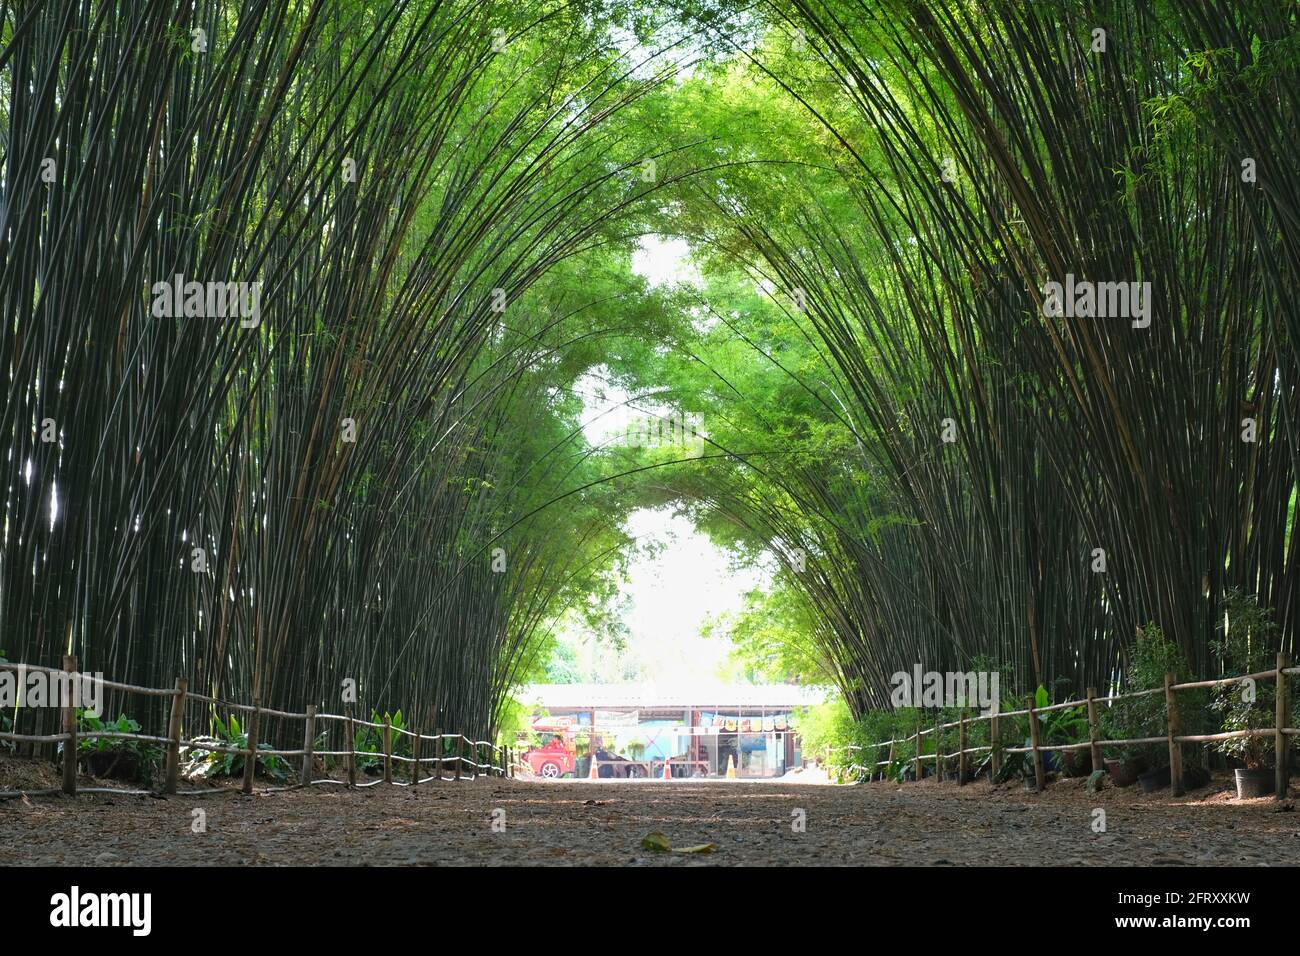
x,y
663,260
675,591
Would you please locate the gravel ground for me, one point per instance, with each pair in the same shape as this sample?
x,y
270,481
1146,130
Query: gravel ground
x,y
579,822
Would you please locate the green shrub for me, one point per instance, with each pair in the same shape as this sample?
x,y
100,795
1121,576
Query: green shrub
x,y
1150,658
215,763
118,758
1247,643
369,741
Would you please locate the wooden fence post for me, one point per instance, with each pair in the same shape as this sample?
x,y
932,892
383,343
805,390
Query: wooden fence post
x,y
1175,748
250,760
308,744
1282,715
918,753
173,764
885,772
1094,733
350,730
961,748
995,744
415,755
460,745
437,750
70,724
938,752
1040,776
388,750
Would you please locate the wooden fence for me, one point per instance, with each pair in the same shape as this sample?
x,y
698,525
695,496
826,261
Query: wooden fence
x,y
1280,731
478,757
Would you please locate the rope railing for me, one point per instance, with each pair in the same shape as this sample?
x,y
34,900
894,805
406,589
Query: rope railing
x,y
1280,732
471,758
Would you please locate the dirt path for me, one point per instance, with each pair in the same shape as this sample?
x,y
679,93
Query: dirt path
x,y
580,822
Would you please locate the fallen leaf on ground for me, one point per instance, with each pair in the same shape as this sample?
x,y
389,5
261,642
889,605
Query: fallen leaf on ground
x,y
659,843
656,841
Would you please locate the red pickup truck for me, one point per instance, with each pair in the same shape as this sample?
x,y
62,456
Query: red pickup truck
x,y
553,760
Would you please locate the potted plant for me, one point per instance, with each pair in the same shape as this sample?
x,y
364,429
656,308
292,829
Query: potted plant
x,y
1067,725
1247,644
1125,769
1150,658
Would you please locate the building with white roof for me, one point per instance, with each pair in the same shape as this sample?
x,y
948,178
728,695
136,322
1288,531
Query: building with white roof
x,y
701,725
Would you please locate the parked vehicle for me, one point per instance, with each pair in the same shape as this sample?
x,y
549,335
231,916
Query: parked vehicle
x,y
554,759
612,765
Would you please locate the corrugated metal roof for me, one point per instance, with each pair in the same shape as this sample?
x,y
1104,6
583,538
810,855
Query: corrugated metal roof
x,y
703,694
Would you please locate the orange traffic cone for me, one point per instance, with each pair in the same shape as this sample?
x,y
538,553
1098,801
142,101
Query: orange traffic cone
x,y
668,773
592,775
731,766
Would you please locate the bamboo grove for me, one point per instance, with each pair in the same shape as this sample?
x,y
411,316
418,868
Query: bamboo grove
x,y
383,474
972,477
330,489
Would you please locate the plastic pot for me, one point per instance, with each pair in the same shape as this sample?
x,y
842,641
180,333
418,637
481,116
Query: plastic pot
x,y
1124,773
1254,783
